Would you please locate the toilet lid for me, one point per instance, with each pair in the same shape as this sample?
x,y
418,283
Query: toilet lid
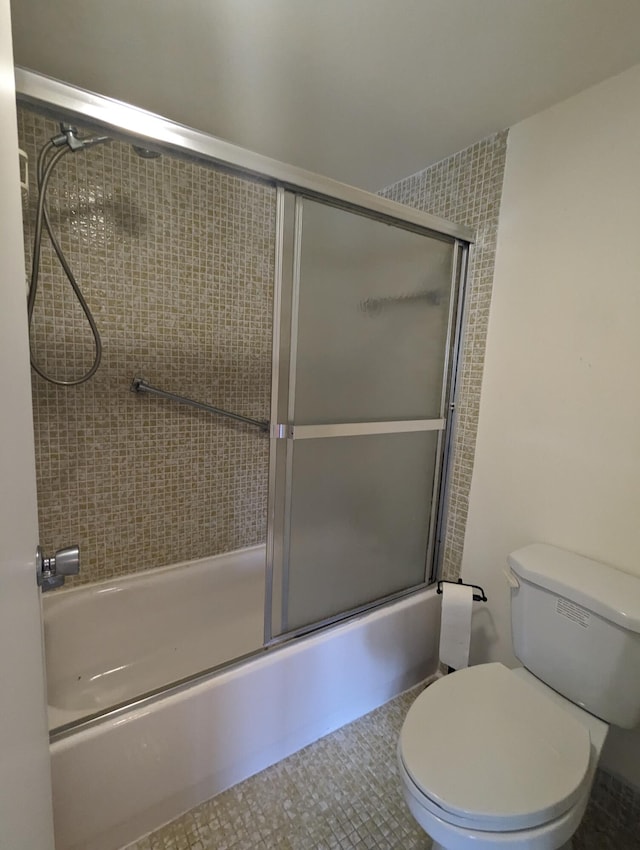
x,y
484,745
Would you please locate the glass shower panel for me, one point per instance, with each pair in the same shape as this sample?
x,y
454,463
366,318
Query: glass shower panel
x,y
366,316
360,513
373,317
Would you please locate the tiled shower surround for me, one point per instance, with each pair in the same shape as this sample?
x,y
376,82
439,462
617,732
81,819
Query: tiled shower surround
x,y
465,188
177,264
176,261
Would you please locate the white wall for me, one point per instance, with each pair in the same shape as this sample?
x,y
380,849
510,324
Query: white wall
x,y
26,815
558,451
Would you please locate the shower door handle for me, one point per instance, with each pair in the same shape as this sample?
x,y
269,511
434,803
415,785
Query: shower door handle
x,y
51,572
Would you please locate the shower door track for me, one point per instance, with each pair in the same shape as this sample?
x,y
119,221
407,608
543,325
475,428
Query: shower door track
x,y
132,124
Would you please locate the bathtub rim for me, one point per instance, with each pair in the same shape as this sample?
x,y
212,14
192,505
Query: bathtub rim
x,y
172,689
129,578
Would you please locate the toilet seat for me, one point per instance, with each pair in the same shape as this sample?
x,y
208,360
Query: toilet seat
x,y
462,836
485,750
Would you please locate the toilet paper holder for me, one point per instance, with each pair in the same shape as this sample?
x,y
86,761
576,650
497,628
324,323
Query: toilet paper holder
x,y
477,597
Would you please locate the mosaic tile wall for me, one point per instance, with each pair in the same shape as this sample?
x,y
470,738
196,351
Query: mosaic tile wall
x,y
465,188
177,264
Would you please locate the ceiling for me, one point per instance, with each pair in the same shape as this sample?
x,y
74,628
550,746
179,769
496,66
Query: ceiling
x,y
364,91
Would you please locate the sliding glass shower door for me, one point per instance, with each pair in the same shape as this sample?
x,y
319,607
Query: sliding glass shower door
x,y
366,318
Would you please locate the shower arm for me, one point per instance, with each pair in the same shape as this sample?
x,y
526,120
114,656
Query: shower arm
x,y
139,385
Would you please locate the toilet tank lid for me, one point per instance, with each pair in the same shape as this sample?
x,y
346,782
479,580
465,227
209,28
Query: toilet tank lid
x,y
600,588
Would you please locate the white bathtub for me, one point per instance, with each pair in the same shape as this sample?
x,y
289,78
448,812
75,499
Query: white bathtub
x,y
129,773
111,641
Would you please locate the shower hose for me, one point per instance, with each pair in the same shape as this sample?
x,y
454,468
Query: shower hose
x,y
45,167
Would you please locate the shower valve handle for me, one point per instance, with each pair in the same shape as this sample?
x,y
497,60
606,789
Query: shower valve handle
x,y
51,572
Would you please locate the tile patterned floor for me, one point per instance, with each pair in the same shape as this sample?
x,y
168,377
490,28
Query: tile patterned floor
x,y
343,793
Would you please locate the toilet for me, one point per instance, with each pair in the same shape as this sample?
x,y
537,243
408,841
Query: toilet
x,y
491,757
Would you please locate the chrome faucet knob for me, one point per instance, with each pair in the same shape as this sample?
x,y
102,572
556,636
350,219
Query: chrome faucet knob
x,y
67,561
51,572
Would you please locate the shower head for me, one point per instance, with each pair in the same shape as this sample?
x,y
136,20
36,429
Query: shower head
x,y
145,153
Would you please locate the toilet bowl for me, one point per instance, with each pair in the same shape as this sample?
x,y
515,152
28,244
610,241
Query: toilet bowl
x,y
493,758
497,758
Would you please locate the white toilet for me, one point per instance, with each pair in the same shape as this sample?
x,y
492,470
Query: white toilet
x,y
497,758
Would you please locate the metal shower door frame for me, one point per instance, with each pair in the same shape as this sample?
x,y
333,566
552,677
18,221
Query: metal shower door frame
x,y
280,471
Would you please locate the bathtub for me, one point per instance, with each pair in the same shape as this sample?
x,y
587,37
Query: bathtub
x,y
109,642
122,775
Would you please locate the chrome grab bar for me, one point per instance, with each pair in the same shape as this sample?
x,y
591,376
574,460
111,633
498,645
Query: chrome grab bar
x,y
139,385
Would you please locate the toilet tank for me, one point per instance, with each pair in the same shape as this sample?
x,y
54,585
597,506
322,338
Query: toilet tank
x,y
576,626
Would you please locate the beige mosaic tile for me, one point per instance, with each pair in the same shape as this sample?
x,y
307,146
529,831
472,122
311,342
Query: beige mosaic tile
x,y
612,820
344,793
177,264
465,188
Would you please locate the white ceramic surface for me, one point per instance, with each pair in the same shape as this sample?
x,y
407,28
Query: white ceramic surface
x,y
516,767
550,836
523,761
553,835
601,588
574,626
112,641
127,775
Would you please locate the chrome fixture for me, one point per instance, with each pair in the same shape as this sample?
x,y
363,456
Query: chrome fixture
x,y
51,572
67,141
69,136
139,385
